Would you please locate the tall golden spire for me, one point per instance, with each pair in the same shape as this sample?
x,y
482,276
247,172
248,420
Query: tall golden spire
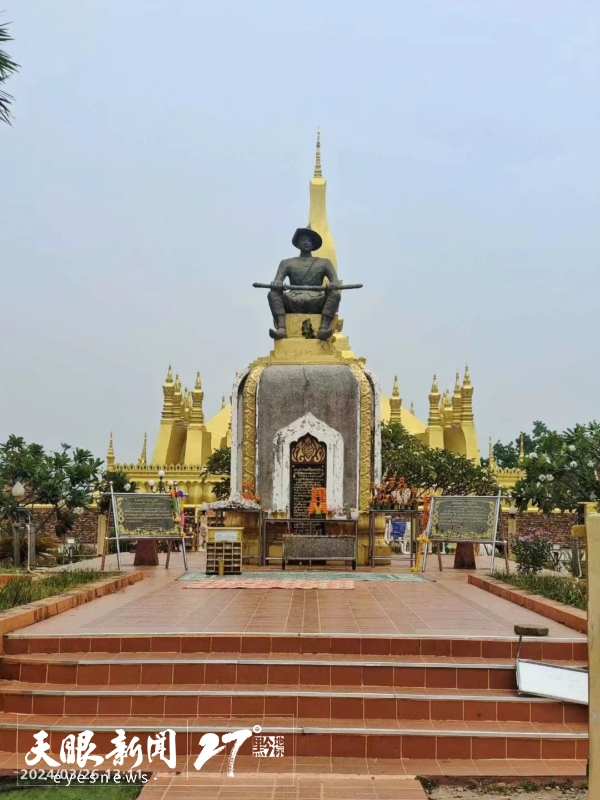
x,y
434,418
177,400
491,458
168,391
318,170
395,403
521,451
457,402
197,415
142,460
317,214
446,410
186,406
110,456
466,412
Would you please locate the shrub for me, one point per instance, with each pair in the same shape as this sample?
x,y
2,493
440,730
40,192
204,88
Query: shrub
x,y
28,589
562,590
533,551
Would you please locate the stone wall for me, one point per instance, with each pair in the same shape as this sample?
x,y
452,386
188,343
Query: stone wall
x,y
85,530
558,526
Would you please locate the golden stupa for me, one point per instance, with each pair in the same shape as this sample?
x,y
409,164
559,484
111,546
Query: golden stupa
x,y
184,440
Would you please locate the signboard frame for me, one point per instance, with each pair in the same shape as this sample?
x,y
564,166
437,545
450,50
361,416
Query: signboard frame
x,y
532,679
159,537
496,499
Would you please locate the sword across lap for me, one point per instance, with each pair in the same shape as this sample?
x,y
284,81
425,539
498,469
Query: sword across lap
x,y
285,287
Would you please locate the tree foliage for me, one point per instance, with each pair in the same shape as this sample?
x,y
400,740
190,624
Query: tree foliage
x,y
120,484
219,464
507,454
562,470
429,469
63,480
7,68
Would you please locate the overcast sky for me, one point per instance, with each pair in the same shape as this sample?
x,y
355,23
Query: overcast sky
x,y
159,162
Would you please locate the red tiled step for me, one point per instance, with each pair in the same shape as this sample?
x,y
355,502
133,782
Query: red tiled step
x,y
353,739
456,647
112,669
367,703
253,774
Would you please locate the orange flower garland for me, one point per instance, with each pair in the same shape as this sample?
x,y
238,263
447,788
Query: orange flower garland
x,y
318,501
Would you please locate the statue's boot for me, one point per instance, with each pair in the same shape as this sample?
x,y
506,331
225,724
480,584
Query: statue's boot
x,y
280,331
325,331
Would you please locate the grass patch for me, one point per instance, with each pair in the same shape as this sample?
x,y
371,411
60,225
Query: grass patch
x,y
73,792
25,589
562,590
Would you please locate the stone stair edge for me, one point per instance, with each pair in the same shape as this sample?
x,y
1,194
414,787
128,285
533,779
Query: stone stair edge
x,y
71,659
10,721
17,687
24,634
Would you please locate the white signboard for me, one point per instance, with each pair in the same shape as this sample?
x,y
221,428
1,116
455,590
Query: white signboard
x,y
226,536
569,684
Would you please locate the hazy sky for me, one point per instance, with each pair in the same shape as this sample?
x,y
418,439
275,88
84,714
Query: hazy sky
x,y
159,163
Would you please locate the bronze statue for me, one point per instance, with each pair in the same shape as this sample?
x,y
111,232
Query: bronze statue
x,y
305,271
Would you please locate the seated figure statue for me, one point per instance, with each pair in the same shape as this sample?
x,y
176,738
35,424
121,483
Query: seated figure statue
x,y
305,270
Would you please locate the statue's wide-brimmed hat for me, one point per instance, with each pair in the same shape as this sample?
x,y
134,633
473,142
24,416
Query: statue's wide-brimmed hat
x,y
316,239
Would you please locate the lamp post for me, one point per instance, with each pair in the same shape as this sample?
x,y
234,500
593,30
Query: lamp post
x,y
161,488
18,492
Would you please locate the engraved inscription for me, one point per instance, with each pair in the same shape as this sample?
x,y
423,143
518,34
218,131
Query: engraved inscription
x,y
146,515
463,519
304,479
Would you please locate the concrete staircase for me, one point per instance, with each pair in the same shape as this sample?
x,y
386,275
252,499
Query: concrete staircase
x,y
390,701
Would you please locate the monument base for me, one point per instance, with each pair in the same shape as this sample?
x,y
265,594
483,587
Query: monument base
x,y
146,553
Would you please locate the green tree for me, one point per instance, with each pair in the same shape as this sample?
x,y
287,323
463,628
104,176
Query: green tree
x,y
434,471
120,484
429,469
563,470
7,68
219,464
64,480
507,454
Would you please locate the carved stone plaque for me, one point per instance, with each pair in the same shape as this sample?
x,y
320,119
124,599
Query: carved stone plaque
x,y
308,465
463,519
146,515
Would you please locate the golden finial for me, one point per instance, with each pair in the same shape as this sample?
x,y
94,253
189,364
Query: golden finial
x,y
491,454
447,400
467,378
395,390
177,384
198,385
143,457
457,383
110,456
169,375
434,385
521,450
223,402
318,171
412,407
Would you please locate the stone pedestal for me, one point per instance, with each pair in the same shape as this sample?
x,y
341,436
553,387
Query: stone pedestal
x,y
306,387
146,553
